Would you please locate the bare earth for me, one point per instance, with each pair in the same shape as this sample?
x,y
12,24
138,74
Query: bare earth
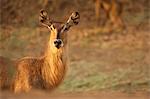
x,y
88,95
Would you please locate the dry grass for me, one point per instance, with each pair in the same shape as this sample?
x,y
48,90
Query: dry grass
x,y
99,59
115,64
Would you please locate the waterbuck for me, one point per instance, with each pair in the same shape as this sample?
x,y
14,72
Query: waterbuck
x,y
47,71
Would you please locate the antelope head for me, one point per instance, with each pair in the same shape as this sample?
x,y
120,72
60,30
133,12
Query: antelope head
x,y
58,30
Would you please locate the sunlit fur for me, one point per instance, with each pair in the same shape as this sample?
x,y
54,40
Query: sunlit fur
x,y
45,72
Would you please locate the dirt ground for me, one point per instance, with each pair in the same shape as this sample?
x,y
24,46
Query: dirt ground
x,y
89,95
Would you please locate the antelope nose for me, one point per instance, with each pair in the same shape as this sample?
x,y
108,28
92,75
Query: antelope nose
x,y
58,43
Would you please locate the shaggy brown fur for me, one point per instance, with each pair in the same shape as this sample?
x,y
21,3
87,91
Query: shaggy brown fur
x,y
47,71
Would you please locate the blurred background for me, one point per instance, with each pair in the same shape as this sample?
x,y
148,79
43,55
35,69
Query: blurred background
x,y
108,50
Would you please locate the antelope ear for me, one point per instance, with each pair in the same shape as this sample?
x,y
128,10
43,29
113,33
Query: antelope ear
x,y
75,17
44,19
73,20
43,16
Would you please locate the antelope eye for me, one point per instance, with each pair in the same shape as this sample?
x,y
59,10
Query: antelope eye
x,y
51,28
66,29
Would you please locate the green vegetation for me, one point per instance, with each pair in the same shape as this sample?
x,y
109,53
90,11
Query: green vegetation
x,y
103,68
84,76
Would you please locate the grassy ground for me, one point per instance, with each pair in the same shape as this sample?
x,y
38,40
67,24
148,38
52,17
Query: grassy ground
x,y
98,59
